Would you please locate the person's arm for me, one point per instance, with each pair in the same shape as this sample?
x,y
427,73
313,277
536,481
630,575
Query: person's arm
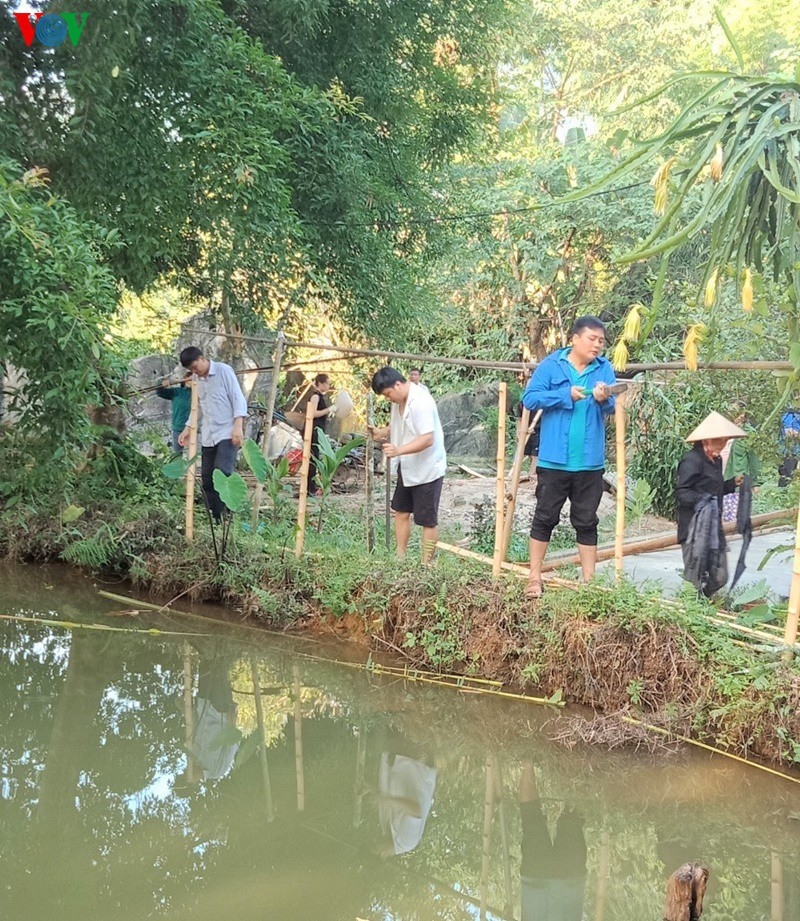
x,y
166,391
319,413
541,394
605,400
420,443
238,405
379,432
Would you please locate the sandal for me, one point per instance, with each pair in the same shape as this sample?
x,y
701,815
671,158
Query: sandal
x,y
534,588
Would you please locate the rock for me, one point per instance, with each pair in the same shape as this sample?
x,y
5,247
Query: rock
x,y
461,416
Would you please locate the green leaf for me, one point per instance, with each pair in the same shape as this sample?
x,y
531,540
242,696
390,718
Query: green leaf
x,y
178,468
556,697
232,489
794,355
255,460
729,35
72,513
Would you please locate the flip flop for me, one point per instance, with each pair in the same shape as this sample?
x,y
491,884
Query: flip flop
x,y
534,588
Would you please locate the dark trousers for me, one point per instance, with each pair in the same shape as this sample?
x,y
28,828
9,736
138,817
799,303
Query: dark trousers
x,y
312,467
786,470
221,457
584,489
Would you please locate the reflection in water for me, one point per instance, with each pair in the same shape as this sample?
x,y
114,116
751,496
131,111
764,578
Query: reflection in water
x,y
552,872
214,738
406,782
103,813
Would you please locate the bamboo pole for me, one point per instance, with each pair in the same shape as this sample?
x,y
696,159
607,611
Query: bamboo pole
x,y
488,815
501,480
188,712
602,877
793,616
776,887
369,485
387,470
192,448
662,542
501,815
298,741
263,746
523,425
508,365
302,505
280,346
361,761
619,424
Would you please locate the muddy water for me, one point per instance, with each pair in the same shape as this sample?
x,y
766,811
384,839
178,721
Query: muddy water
x,y
175,768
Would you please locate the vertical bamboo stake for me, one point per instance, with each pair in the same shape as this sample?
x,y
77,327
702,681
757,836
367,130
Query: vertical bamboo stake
x,y
188,711
790,637
302,505
277,358
525,428
488,815
776,877
263,752
192,451
387,464
369,455
619,424
298,741
361,761
602,878
501,481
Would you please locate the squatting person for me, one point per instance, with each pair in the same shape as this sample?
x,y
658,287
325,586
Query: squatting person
x,y
571,387
223,410
416,438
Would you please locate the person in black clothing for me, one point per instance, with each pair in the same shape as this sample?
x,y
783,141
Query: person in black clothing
x,y
322,412
700,477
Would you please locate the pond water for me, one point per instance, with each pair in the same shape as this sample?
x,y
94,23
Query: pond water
x,y
135,785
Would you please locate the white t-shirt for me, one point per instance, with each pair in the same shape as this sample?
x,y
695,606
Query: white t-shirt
x,y
419,417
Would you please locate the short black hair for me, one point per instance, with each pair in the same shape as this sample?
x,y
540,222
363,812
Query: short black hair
x,y
386,377
419,370
322,379
189,354
587,322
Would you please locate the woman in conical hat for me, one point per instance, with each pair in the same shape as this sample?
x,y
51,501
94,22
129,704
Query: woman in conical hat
x,y
700,480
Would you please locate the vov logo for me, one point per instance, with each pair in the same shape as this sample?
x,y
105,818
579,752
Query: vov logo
x,y
51,29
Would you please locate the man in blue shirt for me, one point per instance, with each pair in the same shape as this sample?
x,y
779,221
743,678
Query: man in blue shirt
x,y
223,411
571,387
789,443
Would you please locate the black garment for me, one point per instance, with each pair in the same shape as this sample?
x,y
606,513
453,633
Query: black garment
x,y
221,456
705,552
698,477
744,525
532,443
583,488
320,425
421,501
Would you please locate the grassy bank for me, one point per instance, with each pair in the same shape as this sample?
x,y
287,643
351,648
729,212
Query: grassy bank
x,y
613,648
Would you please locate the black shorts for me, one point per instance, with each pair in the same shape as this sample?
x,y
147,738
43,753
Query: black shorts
x,y
583,488
421,501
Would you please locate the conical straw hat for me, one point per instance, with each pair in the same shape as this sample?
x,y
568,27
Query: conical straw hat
x,y
716,426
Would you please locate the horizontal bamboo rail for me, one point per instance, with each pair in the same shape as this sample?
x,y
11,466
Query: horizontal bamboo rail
x,y
662,542
502,365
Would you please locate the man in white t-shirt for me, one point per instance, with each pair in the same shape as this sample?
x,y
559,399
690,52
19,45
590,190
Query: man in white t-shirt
x,y
415,437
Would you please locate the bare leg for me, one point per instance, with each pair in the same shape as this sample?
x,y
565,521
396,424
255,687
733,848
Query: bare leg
x,y
538,548
429,538
402,532
588,555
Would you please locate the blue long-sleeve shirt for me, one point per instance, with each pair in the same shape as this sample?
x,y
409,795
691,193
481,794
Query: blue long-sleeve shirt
x,y
566,423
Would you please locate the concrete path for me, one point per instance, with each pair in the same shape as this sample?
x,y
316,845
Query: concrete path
x,y
666,566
